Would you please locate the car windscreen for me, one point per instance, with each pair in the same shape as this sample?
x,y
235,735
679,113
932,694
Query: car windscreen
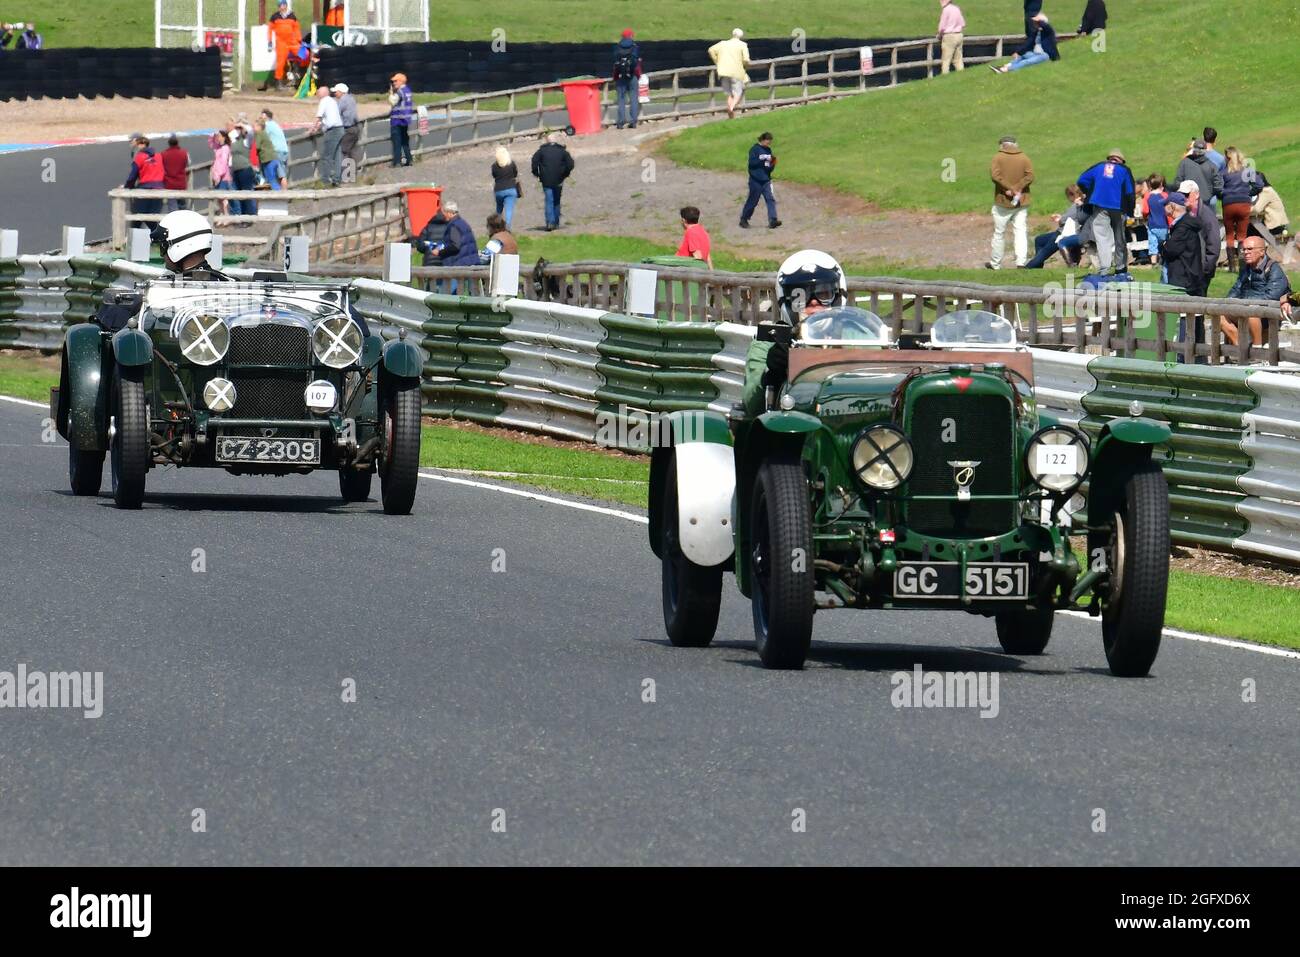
x,y
846,324
972,327
168,304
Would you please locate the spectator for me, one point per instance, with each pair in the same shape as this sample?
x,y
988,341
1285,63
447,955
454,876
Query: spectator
x,y
1039,47
951,27
329,122
500,240
731,57
280,144
29,39
350,155
1260,278
175,163
241,171
761,163
1094,17
1032,9
627,74
1012,173
399,119
285,37
505,184
1157,219
7,33
695,242
219,174
552,165
1211,137
1110,192
334,15
146,173
1066,238
1236,203
1209,223
458,247
430,236
1182,249
1268,208
1197,166
267,158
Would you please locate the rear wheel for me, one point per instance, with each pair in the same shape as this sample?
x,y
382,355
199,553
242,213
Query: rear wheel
x,y
1025,631
85,470
400,427
1133,615
354,486
692,594
129,445
781,564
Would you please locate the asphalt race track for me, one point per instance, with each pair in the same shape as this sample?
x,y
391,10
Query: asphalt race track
x,y
521,690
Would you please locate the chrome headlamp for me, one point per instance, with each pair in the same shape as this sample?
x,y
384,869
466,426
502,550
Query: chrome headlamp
x,y
336,342
882,457
204,339
1057,458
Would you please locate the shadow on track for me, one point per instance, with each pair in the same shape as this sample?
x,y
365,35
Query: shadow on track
x,y
236,502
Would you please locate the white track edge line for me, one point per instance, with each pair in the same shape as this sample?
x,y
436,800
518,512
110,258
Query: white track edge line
x,y
17,401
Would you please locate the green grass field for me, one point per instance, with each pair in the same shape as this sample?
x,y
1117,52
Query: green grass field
x,y
130,22
1155,86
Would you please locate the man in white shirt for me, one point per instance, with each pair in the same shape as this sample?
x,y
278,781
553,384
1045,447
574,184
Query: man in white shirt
x,y
330,123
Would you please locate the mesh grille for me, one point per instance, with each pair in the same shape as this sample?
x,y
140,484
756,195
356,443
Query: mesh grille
x,y
984,429
269,394
271,343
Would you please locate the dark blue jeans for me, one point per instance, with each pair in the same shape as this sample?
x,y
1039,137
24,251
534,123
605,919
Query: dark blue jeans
x,y
1046,246
552,194
401,138
757,189
627,90
244,179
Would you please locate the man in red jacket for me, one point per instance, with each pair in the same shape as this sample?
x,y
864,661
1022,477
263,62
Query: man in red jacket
x,y
175,162
146,173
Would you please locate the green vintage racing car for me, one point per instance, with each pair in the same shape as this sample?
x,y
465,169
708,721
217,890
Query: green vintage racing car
x,y
922,474
265,377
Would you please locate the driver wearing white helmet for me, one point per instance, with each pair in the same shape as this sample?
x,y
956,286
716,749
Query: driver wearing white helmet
x,y
184,239
807,282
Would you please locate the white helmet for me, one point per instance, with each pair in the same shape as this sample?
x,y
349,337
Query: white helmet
x,y
807,275
181,233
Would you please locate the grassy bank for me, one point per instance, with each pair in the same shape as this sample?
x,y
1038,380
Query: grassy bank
x,y
893,147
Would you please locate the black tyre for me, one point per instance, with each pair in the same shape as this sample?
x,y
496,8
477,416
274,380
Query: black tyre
x,y
129,446
354,486
1133,615
781,564
692,593
1025,631
400,469
85,471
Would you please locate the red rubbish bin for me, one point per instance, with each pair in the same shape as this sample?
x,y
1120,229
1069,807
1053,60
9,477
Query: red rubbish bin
x,y
582,98
422,202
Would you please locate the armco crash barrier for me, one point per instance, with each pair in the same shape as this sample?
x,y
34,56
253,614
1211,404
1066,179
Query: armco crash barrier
x,y
1233,464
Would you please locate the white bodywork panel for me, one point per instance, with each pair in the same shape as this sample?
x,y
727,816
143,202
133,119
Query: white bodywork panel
x,y
706,485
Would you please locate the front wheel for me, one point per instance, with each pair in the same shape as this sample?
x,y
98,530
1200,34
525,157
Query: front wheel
x,y
354,486
1133,615
400,427
1025,631
85,470
780,559
129,445
692,594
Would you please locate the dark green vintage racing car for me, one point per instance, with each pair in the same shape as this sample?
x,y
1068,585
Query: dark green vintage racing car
x,y
926,476
258,378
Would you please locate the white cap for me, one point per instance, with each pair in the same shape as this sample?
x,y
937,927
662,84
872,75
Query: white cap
x,y
1188,186
339,88
451,206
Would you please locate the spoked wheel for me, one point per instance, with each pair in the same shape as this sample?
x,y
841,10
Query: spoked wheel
x,y
400,466
129,441
781,564
354,486
1133,613
692,593
85,470
1025,631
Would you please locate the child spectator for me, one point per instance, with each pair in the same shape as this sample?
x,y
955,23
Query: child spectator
x,y
695,240
1157,221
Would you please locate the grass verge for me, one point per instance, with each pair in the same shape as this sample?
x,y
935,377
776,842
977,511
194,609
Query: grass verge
x,y
1233,608
28,376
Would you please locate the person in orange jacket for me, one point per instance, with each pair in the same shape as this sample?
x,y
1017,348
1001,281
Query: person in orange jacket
x,y
334,16
287,32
